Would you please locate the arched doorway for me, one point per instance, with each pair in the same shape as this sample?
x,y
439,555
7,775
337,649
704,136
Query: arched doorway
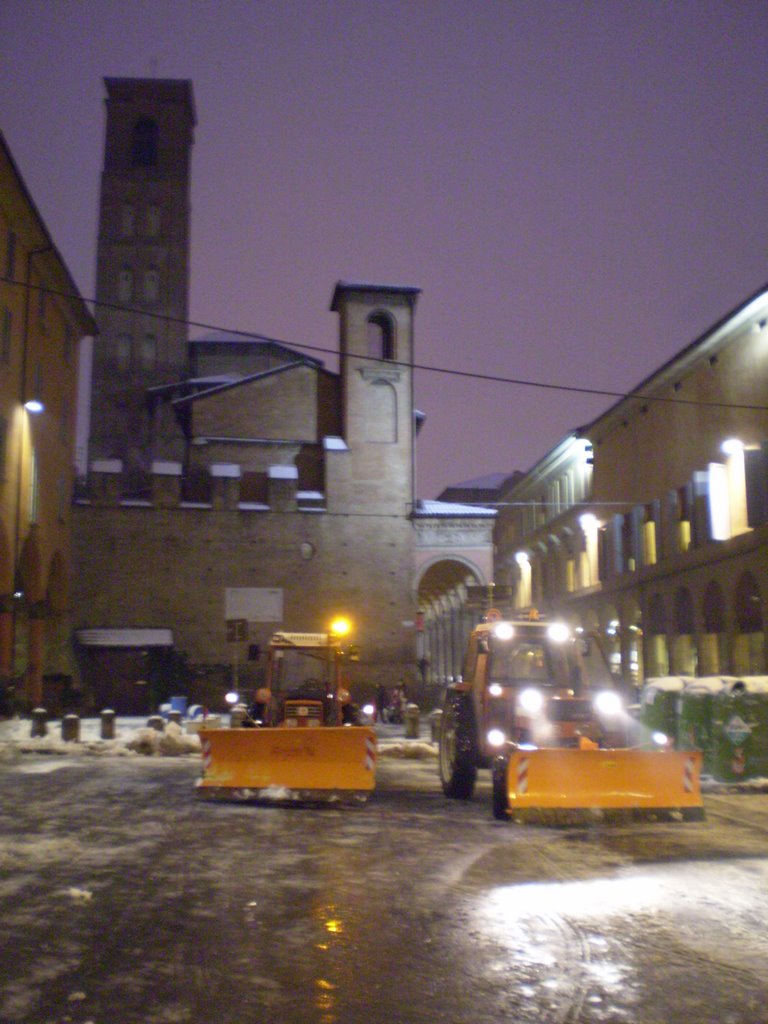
x,y
749,637
713,644
656,649
632,661
610,633
451,598
684,654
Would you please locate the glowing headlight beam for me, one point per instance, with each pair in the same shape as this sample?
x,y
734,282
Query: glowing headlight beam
x,y
531,701
558,632
608,702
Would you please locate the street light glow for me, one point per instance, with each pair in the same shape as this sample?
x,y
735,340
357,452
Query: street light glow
x,y
340,626
732,446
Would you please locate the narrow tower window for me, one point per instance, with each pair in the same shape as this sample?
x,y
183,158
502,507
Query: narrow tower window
x,y
153,221
127,220
151,285
380,336
125,285
149,352
144,143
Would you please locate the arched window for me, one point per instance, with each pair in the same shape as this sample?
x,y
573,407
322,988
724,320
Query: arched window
x,y
381,413
714,609
749,640
381,336
714,639
144,143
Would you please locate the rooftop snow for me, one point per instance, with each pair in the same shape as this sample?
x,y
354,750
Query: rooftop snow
x,y
449,508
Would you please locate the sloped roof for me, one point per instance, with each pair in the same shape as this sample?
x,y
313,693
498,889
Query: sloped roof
x,y
448,508
209,388
257,341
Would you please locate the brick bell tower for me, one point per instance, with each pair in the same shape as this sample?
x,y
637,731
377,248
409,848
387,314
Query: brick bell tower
x,y
376,358
142,276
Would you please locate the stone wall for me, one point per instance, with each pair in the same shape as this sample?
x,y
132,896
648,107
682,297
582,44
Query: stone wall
x,y
165,563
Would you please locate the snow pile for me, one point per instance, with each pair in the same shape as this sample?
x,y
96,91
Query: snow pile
x,y
132,738
414,750
711,785
172,742
703,685
752,684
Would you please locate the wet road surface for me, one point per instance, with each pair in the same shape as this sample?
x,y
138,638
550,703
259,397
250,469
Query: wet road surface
x,y
125,900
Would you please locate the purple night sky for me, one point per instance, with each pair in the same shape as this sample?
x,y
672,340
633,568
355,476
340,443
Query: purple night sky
x,y
578,187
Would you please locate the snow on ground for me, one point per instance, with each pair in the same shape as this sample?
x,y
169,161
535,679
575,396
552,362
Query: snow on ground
x,y
134,738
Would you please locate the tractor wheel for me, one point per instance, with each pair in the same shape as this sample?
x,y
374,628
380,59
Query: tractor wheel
x,y
500,806
456,756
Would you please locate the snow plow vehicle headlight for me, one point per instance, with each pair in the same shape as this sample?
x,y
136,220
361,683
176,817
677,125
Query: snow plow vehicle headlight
x,y
558,633
494,690
531,701
660,739
608,702
496,738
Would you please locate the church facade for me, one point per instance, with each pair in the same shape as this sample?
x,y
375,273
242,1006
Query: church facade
x,y
235,485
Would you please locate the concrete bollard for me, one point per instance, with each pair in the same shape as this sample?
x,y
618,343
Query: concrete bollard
x,y
156,722
237,716
39,722
70,728
108,724
412,721
175,716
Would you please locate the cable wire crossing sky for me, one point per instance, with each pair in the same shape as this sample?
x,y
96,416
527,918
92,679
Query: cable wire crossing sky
x,y
578,189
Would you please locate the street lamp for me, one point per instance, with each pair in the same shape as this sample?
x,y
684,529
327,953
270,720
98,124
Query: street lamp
x,y
341,626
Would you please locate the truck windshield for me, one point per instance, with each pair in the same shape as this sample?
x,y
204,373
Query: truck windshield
x,y
297,669
514,662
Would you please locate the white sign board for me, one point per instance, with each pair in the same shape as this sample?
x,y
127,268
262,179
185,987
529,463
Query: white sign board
x,y
254,604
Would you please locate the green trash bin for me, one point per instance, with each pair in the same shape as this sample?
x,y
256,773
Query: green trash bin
x,y
740,731
659,700
694,724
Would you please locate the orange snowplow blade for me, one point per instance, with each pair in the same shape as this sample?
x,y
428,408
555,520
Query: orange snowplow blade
x,y
283,764
627,780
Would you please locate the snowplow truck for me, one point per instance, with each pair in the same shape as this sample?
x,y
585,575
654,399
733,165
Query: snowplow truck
x,y
298,741
537,706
